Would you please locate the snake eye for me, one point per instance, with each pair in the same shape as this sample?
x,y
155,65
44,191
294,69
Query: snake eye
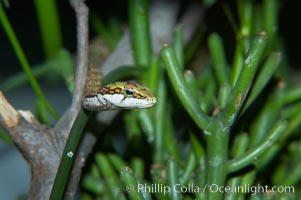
x,y
129,91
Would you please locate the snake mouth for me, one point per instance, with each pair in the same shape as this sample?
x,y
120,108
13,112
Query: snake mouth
x,y
149,103
145,104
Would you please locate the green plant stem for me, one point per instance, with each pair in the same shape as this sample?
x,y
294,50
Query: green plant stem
x,y
159,156
293,95
191,82
244,81
23,61
219,58
139,26
131,184
264,76
270,13
116,161
233,183
147,124
154,74
216,159
294,122
178,46
250,156
170,143
48,16
182,90
41,112
112,183
291,110
93,185
224,94
132,126
274,150
210,95
245,13
138,16
189,168
68,156
245,9
267,117
172,178
294,176
248,179
198,149
152,80
237,64
207,82
239,147
199,152
138,166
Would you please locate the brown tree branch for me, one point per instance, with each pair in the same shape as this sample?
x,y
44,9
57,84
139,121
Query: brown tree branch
x,y
35,142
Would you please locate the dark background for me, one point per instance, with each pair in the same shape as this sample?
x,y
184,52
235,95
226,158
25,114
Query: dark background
x,y
24,21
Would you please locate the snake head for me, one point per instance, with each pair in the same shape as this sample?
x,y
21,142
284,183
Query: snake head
x,y
128,95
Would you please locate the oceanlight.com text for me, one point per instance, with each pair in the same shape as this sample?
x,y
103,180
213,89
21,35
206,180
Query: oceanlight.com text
x,y
192,188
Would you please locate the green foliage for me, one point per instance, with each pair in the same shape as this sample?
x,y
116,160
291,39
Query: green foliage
x,y
220,101
24,62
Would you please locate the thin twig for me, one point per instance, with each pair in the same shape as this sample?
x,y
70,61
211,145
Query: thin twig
x,y
67,120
